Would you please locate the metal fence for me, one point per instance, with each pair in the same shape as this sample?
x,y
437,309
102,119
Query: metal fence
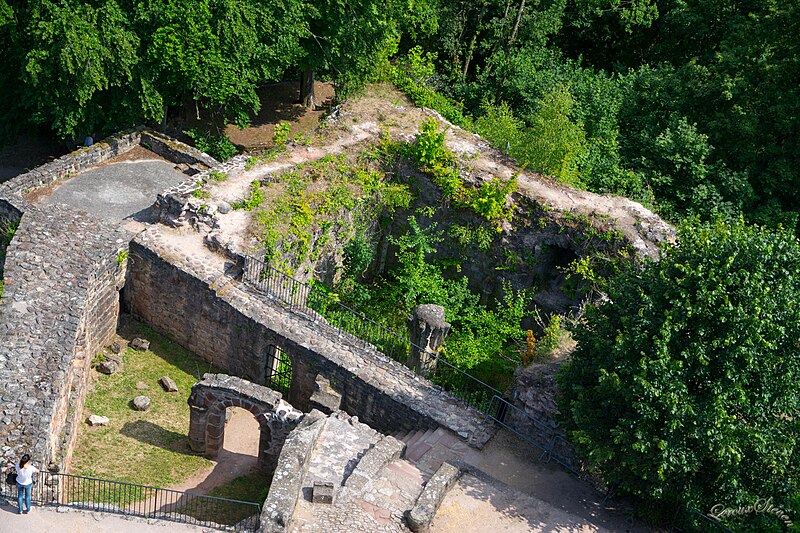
x,y
92,494
363,331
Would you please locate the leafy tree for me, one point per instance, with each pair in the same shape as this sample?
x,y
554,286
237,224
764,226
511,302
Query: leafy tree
x,y
684,386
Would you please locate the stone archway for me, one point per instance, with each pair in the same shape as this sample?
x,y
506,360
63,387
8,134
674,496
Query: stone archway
x,y
211,397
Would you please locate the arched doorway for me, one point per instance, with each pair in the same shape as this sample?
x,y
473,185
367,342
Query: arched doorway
x,y
210,400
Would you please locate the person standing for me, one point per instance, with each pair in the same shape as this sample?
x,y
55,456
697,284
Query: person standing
x,y
25,471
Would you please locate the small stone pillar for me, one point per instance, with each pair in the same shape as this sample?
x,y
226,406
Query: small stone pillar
x,y
324,399
197,427
428,330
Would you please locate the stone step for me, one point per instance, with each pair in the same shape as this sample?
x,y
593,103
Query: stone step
x,y
400,435
420,445
414,437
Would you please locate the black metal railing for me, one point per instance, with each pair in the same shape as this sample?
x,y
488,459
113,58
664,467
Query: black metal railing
x,y
122,498
306,300
362,331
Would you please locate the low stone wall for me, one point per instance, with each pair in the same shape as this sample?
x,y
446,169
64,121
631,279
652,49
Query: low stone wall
x,y
60,307
287,482
384,452
174,150
71,163
421,515
233,327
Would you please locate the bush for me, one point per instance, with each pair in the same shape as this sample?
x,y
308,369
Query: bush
x,y
684,385
217,145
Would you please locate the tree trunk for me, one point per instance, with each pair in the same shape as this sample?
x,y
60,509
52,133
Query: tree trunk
x,y
307,87
516,23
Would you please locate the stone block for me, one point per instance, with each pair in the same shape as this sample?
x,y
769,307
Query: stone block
x,y
107,367
322,492
97,420
115,347
324,398
141,403
140,344
168,384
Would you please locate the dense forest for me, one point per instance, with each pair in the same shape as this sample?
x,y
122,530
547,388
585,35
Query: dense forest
x,y
683,391
689,106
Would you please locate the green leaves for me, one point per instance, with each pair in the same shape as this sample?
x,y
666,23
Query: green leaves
x,y
698,355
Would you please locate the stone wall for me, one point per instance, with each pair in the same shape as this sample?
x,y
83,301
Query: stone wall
x,y
175,151
193,302
60,307
63,274
210,400
71,163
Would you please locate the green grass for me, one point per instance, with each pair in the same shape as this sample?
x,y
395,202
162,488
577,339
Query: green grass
x,y
250,488
142,447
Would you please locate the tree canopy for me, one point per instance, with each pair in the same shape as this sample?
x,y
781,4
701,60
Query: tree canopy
x,y
685,386
78,66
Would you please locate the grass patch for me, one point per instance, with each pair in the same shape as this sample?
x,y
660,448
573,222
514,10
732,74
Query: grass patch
x,y
142,447
249,488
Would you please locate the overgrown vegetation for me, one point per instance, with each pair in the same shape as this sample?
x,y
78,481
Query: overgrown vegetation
x,y
307,214
217,145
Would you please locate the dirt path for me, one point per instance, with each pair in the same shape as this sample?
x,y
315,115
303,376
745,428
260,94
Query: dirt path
x,y
238,457
531,496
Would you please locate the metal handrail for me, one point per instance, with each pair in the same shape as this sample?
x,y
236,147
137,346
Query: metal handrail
x,y
119,497
488,400
295,294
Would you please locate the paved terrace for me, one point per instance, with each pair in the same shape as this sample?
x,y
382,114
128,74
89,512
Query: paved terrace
x,y
117,190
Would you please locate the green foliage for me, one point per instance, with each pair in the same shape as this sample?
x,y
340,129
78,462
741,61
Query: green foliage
x,y
683,389
430,150
323,204
466,236
489,201
217,145
552,337
122,256
201,193
412,76
218,176
254,198
80,66
280,136
358,255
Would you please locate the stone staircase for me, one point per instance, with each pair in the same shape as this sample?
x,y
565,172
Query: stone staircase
x,y
427,449
377,479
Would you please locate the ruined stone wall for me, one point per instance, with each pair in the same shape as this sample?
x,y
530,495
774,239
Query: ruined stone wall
x,y
232,326
175,151
63,274
60,307
71,163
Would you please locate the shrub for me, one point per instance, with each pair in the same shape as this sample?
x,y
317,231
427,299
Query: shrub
x,y
280,135
217,145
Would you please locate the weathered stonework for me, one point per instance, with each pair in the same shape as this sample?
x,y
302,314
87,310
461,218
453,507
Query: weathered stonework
x,y
421,515
287,481
234,327
63,273
211,398
60,307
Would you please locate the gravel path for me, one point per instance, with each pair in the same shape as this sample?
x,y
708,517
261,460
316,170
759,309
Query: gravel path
x,y
49,519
